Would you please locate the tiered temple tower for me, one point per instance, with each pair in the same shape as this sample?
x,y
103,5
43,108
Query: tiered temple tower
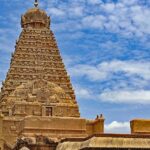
x,y
37,63
38,106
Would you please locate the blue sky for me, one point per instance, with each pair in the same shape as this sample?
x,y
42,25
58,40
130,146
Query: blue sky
x,y
106,50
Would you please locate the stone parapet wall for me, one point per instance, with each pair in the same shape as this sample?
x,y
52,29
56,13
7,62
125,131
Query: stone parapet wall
x,y
55,127
58,128
95,126
107,141
140,126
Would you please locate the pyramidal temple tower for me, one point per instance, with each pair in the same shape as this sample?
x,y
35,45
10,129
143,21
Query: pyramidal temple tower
x,y
38,106
37,73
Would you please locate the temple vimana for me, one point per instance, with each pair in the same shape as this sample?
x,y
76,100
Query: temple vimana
x,y
38,107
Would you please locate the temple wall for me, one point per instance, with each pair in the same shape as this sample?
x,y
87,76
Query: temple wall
x,y
140,126
54,127
98,126
11,129
1,133
22,109
29,108
95,127
111,142
68,111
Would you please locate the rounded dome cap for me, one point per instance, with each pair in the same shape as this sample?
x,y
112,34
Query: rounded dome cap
x,y
35,18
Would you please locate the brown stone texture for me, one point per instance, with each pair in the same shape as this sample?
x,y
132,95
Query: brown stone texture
x,y
37,73
107,142
140,126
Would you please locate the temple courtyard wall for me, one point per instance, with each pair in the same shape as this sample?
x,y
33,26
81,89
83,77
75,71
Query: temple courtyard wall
x,y
54,128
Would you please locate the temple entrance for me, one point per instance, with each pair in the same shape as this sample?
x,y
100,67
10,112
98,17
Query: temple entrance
x,y
48,111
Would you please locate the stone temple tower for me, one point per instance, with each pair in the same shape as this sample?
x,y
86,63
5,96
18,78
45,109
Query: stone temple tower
x,y
37,82
38,107
37,101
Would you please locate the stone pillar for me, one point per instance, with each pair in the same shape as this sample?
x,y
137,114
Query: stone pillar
x,y
1,132
98,126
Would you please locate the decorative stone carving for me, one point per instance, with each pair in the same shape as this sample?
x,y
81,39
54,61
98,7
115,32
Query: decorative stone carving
x,y
37,83
35,18
41,91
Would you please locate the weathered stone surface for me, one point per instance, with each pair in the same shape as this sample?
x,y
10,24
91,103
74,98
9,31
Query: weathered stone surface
x,y
140,126
108,141
37,73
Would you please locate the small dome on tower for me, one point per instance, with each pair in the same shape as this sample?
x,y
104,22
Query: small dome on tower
x,y
35,18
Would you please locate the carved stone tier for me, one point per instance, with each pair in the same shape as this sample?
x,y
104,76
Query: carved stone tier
x,y
39,98
36,57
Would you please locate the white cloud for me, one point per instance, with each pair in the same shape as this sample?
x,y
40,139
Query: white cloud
x,y
124,17
109,7
94,1
56,12
118,96
108,68
76,11
141,69
94,21
127,19
91,72
129,87
83,93
129,97
129,3
117,127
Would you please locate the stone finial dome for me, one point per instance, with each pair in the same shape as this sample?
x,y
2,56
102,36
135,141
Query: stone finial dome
x,y
35,18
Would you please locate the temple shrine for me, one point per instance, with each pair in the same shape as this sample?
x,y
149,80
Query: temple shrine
x,y
38,106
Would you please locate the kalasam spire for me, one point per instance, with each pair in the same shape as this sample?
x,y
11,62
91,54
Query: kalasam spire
x,y
36,3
